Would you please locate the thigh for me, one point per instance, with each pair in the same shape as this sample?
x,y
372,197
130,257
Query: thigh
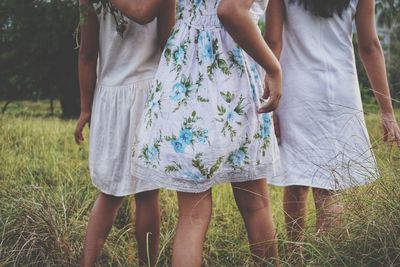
x,y
251,194
147,197
195,204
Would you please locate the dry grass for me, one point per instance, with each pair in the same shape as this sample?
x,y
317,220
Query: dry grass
x,y
46,195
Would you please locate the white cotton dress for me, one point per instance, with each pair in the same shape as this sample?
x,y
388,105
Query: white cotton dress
x,y
126,69
201,125
325,143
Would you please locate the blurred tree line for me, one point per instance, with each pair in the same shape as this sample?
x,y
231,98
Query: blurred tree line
x,y
38,57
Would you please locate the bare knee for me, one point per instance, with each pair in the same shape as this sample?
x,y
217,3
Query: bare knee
x,y
195,209
253,205
296,193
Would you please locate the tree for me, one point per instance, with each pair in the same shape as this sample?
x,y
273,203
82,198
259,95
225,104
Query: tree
x,y
388,15
38,58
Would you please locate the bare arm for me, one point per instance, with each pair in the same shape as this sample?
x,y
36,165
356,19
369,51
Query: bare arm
x,y
374,63
88,54
274,19
166,21
236,18
140,11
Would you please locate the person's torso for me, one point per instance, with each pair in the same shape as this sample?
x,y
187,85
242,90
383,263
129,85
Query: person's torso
x,y
318,56
130,58
316,43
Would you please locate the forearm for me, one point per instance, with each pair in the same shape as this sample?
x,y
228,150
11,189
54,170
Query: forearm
x,y
275,46
239,24
140,11
374,63
87,83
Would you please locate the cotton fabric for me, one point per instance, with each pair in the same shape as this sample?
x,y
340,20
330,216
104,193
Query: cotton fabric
x,y
126,69
201,125
324,140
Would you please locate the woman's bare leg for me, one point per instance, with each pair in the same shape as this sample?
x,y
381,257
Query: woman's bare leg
x,y
328,208
194,218
253,202
147,225
101,219
295,208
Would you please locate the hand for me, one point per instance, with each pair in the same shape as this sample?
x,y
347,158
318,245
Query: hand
x,y
390,128
276,128
84,118
272,94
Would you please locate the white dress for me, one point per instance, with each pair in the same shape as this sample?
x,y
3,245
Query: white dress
x,y
201,125
325,143
126,69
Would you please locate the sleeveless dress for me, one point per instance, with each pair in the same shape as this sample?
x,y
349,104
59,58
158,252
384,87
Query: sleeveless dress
x,y
324,140
201,125
126,69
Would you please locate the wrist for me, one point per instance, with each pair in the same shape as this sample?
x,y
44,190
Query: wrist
x,y
85,111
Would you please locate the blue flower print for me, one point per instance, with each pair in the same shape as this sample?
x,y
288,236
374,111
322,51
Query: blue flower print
x,y
154,105
202,137
254,92
205,41
237,158
151,153
179,55
197,3
186,136
178,92
194,176
255,72
237,53
266,123
230,116
179,147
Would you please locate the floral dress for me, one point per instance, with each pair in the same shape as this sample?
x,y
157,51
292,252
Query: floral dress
x,y
201,124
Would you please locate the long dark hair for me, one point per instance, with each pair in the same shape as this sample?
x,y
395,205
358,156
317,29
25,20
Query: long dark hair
x,y
324,8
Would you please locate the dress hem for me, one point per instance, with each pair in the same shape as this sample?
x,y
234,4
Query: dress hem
x,y
280,181
176,183
123,193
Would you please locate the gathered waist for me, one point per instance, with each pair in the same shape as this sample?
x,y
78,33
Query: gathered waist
x,y
203,21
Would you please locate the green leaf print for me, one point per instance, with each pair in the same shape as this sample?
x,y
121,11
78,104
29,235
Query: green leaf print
x,y
197,162
150,153
184,90
175,167
223,66
228,96
189,133
240,157
236,60
228,116
153,104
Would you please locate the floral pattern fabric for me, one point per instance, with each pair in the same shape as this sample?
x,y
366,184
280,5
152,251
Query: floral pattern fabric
x,y
201,125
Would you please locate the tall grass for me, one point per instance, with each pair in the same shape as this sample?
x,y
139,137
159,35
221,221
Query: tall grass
x,y
46,195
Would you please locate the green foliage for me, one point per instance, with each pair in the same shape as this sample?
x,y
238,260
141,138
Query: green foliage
x,y
39,60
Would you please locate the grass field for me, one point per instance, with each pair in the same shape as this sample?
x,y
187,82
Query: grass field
x,y
46,195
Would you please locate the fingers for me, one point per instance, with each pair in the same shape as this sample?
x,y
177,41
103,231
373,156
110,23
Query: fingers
x,y
269,105
277,128
266,90
78,133
398,138
391,133
384,132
